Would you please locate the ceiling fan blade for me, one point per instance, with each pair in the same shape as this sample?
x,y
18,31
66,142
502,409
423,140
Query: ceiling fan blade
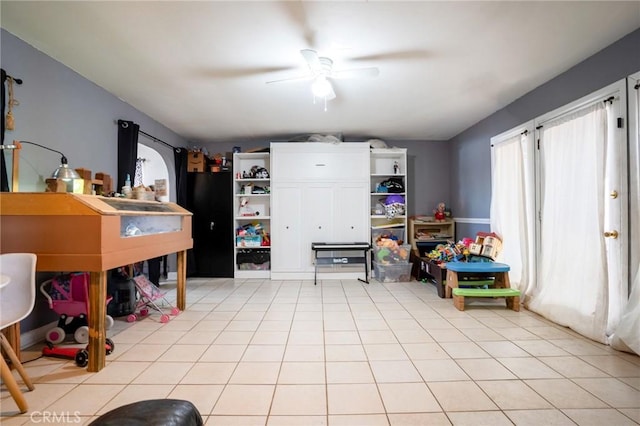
x,y
298,78
295,11
313,60
417,54
356,73
228,73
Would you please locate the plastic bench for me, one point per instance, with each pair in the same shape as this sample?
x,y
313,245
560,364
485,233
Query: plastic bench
x,y
512,296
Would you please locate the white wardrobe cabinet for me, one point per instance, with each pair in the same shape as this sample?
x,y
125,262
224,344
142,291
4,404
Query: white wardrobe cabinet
x,y
320,193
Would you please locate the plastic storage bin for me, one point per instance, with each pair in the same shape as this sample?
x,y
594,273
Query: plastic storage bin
x,y
391,255
254,266
394,233
392,273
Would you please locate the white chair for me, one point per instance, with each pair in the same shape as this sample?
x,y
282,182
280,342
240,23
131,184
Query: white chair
x,y
17,297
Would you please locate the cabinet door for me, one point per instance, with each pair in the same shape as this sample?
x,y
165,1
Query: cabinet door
x,y
210,201
286,228
319,211
319,161
351,212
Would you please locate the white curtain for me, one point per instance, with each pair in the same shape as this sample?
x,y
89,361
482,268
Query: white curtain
x,y
572,285
627,334
512,207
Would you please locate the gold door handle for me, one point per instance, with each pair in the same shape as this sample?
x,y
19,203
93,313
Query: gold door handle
x,y
611,234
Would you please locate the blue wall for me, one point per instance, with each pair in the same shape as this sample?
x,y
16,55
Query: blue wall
x,y
470,151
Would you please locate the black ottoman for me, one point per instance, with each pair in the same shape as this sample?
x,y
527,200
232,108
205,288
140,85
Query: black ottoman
x,y
157,412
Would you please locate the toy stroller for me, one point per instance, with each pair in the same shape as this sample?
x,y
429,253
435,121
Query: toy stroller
x,y
68,296
148,293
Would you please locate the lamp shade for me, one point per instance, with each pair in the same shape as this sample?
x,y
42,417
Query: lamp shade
x,y
64,171
321,87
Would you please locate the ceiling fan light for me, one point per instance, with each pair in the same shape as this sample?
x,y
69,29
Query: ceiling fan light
x,y
321,87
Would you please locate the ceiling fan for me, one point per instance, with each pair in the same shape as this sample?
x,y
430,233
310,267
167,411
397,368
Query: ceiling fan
x,y
322,72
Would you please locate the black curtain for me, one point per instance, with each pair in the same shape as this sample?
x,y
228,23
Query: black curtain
x,y
181,159
127,151
4,179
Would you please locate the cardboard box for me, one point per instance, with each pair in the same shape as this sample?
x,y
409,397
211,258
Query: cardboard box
x,y
196,161
248,241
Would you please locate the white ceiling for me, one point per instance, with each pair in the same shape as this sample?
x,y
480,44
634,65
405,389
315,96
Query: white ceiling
x,y
200,67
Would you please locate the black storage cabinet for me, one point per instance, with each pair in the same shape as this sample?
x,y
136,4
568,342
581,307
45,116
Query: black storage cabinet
x,y
210,200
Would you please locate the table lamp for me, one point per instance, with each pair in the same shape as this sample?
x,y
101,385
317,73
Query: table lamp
x,y
63,171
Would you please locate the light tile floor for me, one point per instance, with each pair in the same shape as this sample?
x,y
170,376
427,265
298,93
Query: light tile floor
x,y
261,352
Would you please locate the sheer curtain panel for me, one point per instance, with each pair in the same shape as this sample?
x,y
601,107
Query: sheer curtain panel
x,y
512,204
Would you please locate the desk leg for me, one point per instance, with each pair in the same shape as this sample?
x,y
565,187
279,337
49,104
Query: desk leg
x,y
315,269
97,315
181,288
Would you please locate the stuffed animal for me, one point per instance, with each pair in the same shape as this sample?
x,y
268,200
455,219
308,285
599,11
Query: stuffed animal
x,y
440,214
245,210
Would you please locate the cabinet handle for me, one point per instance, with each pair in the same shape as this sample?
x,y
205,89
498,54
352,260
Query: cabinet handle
x,y
211,225
352,227
320,165
319,227
286,227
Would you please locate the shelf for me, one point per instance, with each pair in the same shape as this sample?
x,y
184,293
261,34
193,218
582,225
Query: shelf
x,y
243,162
388,193
374,175
422,231
253,248
381,216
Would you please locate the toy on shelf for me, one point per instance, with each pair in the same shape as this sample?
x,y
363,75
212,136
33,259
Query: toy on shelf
x,y
440,214
394,205
252,235
245,209
485,248
448,252
487,244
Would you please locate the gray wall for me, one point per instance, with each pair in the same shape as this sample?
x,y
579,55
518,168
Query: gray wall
x,y
470,150
428,170
64,111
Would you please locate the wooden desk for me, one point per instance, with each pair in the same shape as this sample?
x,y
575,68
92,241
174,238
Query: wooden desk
x,y
74,232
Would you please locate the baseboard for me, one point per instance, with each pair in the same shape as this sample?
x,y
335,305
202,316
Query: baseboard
x,y
477,220
38,335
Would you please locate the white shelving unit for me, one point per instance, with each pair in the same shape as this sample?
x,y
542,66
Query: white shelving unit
x,y
255,191
386,164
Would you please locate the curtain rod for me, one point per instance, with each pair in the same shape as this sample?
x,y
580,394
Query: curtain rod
x,y
156,139
153,138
